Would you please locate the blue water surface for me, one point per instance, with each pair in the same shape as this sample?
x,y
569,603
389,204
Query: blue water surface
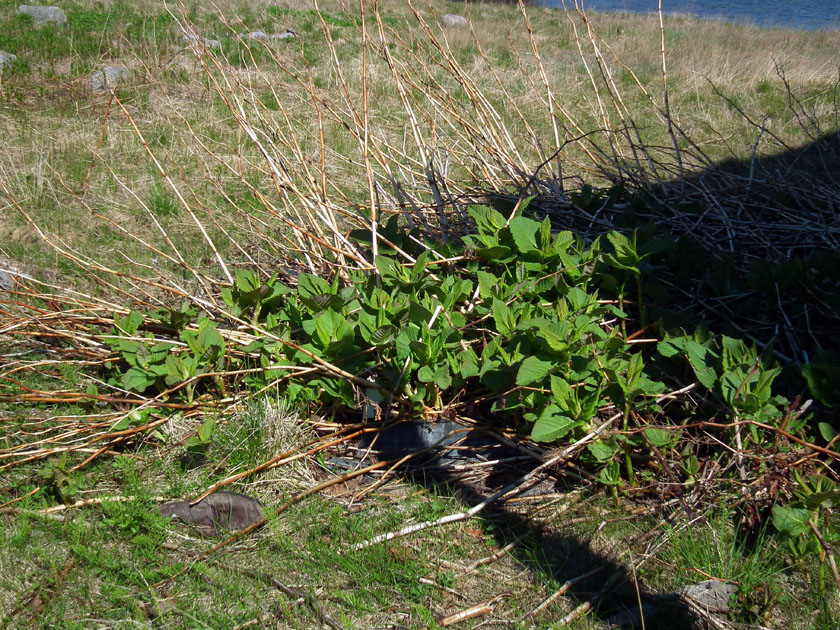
x,y
798,14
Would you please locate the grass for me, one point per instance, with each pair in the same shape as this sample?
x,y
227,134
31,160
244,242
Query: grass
x,y
73,166
96,564
45,93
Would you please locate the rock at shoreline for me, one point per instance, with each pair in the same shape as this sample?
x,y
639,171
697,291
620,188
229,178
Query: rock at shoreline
x,y
451,20
107,78
6,59
42,14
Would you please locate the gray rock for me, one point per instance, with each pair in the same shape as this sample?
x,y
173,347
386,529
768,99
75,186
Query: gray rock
x,y
42,15
107,77
220,510
450,20
258,35
6,59
712,595
195,40
7,280
264,37
285,35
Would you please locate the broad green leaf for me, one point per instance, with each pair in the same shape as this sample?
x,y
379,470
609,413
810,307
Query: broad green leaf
x,y
791,520
442,377
488,220
610,475
625,255
144,357
425,374
822,375
589,405
823,499
577,298
130,323
560,390
690,464
196,445
827,431
603,450
701,358
557,334
419,315
121,424
392,271
524,232
502,315
668,348
488,284
468,368
419,267
660,438
383,336
310,285
497,253
404,340
246,280
545,237
551,425
205,430
634,369
136,380
533,370
562,242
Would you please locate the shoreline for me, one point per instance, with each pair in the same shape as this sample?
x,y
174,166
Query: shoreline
x,y
738,21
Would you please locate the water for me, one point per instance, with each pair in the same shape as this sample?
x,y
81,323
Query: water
x,y
801,14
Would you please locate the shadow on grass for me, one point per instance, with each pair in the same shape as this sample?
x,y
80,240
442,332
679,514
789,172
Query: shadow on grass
x,y
555,554
751,251
749,247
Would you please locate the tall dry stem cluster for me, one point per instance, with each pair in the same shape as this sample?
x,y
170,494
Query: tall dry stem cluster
x,y
401,126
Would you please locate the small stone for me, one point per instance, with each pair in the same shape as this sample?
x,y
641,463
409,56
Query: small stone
x,y
42,14
258,35
451,20
7,280
285,35
218,511
713,595
196,40
6,59
107,78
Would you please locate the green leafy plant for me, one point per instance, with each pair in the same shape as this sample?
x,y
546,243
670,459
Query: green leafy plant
x,y
807,522
58,481
199,443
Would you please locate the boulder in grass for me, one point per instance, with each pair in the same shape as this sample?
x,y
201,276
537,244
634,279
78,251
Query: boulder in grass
x,y
7,280
288,34
712,595
264,37
200,42
219,511
258,35
42,14
6,59
451,20
106,78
